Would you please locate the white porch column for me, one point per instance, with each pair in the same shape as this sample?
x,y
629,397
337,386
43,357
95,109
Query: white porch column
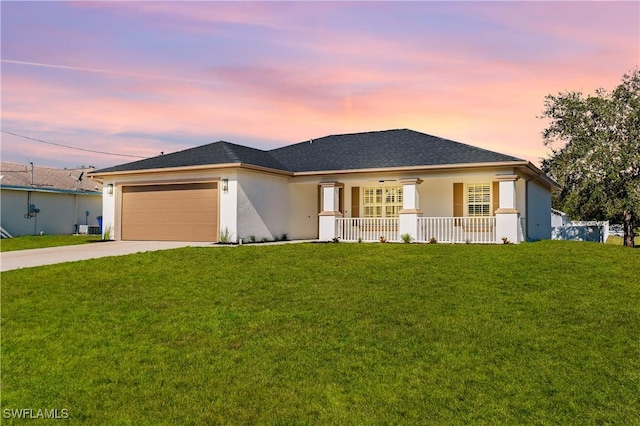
x,y
507,216
408,216
327,217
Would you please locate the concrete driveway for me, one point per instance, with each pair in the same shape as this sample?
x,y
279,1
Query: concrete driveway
x,y
48,256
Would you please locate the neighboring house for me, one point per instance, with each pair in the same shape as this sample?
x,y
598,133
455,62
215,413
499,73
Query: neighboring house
x,y
559,218
36,200
352,187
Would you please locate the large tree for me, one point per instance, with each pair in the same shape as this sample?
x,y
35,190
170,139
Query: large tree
x,y
595,153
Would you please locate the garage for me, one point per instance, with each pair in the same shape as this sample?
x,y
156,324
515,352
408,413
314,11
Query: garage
x,y
172,212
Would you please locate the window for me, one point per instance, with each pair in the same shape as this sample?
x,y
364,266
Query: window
x,y
479,199
381,201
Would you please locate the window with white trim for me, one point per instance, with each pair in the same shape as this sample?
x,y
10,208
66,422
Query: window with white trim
x,y
479,199
381,201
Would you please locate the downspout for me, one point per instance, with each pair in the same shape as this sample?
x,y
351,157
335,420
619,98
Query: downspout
x,y
75,212
526,209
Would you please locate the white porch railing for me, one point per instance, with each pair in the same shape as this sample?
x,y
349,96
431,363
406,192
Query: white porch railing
x,y
367,229
457,229
442,229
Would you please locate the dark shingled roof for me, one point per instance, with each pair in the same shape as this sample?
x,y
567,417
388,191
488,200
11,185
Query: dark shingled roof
x,y
390,148
214,153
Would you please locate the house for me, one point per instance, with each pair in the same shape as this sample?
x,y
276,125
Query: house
x,y
559,218
35,200
355,187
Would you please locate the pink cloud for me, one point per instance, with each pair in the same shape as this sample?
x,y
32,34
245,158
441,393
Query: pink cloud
x,y
314,78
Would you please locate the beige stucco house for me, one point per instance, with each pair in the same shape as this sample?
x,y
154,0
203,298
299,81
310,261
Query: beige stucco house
x,y
353,187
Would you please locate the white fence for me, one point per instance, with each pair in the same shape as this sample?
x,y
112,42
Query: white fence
x,y
438,229
367,229
457,229
582,231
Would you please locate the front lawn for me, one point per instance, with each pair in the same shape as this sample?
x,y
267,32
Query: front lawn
x,y
618,241
43,241
537,333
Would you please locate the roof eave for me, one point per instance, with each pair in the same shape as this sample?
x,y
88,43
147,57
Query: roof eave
x,y
50,190
535,173
436,167
104,175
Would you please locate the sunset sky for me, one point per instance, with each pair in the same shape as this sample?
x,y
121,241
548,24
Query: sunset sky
x,y
140,78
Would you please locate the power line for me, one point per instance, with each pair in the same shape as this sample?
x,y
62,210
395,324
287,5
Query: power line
x,y
70,147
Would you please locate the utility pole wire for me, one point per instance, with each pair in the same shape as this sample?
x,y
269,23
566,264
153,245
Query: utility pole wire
x,y
70,147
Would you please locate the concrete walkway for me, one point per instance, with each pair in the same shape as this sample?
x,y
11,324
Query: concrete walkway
x,y
48,256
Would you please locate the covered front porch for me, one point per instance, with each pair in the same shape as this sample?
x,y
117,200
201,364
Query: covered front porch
x,y
501,225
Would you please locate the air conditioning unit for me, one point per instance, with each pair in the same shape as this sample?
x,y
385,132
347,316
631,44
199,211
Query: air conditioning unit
x,y
83,229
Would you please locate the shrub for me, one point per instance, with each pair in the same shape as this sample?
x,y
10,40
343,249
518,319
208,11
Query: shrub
x,y
225,235
406,238
107,233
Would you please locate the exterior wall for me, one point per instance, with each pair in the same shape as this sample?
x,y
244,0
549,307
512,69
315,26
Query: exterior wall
x,y
229,205
264,205
59,212
109,229
539,212
436,192
559,219
521,202
263,201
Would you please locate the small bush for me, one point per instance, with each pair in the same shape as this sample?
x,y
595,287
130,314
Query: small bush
x,y
225,235
406,238
432,240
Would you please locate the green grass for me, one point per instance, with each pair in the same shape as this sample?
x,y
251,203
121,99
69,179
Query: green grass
x,y
538,333
43,241
618,241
